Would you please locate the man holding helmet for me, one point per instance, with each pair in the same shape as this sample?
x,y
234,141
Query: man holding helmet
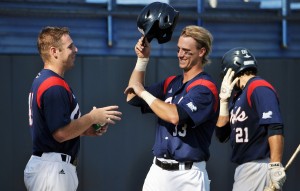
x,y
252,121
186,105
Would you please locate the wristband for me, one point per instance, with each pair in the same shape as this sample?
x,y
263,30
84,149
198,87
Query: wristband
x,y
274,165
141,64
224,108
149,98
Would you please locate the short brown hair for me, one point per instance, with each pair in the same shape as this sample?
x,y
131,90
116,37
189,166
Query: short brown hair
x,y
203,38
48,37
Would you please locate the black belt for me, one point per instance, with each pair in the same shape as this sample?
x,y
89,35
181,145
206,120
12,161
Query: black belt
x,y
63,157
172,166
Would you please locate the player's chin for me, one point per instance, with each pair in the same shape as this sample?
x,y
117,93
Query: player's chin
x,y
182,64
72,58
70,66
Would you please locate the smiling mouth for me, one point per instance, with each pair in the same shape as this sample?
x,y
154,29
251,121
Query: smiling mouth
x,y
182,60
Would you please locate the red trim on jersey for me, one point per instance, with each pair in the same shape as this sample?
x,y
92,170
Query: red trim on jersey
x,y
254,85
167,82
49,82
211,86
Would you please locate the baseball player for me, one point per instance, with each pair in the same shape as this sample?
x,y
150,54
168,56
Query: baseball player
x,y
55,120
186,106
252,121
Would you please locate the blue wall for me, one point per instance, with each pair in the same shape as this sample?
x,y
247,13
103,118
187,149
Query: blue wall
x,y
231,23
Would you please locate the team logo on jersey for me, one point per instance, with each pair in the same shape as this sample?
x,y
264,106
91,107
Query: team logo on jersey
x,y
192,106
267,115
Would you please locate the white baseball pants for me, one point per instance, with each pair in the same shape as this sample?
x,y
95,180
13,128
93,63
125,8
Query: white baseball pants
x,y
50,173
195,179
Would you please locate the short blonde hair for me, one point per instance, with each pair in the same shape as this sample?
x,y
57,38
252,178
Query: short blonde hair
x,y
50,37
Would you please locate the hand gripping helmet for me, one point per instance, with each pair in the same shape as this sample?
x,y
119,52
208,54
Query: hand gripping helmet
x,y
157,20
238,59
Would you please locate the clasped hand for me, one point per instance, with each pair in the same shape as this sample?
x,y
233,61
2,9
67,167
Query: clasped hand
x,y
136,88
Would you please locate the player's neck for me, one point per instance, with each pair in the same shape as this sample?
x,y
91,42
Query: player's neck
x,y
188,75
244,80
54,69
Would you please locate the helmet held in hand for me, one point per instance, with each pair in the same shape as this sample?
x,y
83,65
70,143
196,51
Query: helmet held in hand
x,y
157,20
239,59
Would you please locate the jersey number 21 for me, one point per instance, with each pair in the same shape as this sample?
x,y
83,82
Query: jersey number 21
x,y
241,135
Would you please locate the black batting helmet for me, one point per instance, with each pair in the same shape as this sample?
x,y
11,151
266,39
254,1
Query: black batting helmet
x,y
238,59
157,20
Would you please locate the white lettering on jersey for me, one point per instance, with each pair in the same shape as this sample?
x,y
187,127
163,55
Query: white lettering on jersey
x,y
30,113
178,131
267,115
75,111
238,116
241,135
192,106
170,91
168,100
180,99
182,132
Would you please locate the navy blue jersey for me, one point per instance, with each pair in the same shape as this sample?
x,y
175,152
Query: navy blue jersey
x,y
52,105
191,138
254,107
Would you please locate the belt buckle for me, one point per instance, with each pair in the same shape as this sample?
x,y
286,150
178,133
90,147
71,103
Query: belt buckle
x,y
169,165
165,164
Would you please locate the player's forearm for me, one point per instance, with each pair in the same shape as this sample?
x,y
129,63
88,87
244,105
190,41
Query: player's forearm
x,y
74,129
223,118
276,143
138,74
222,121
165,111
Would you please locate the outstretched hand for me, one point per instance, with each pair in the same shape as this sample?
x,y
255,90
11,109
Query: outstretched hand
x,y
106,115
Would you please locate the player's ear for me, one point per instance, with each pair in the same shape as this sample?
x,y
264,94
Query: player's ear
x,y
202,52
53,51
